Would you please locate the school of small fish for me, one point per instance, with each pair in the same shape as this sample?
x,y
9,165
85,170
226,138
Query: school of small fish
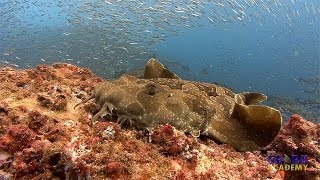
x,y
117,32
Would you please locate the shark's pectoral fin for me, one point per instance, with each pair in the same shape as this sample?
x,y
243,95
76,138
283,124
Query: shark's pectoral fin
x,y
250,98
249,127
154,69
259,116
262,122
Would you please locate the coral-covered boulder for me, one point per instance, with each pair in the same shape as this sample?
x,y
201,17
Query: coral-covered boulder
x,y
43,137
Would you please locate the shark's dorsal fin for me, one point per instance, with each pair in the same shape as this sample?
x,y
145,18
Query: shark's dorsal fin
x,y
154,69
250,98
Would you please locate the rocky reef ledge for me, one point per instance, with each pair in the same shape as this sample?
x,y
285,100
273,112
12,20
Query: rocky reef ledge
x,y
43,137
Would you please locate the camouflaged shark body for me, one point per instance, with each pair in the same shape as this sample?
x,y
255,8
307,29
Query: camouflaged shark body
x,y
193,107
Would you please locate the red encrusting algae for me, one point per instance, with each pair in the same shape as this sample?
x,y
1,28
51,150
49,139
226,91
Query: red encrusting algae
x,y
300,137
172,142
17,138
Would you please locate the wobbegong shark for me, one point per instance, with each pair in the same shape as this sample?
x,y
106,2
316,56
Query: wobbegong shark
x,y
161,97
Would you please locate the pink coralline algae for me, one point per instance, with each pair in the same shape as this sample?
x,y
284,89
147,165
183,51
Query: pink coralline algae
x,y
17,138
171,141
107,130
300,137
29,159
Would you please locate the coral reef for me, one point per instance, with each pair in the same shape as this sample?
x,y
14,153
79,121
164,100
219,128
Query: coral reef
x,y
43,137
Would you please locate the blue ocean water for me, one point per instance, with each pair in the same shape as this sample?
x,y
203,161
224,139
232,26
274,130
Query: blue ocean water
x,y
266,46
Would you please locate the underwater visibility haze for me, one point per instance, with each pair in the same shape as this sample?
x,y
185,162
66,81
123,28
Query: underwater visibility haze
x,y
268,46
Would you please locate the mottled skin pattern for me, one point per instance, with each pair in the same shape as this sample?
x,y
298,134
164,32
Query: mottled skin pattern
x,y
193,107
